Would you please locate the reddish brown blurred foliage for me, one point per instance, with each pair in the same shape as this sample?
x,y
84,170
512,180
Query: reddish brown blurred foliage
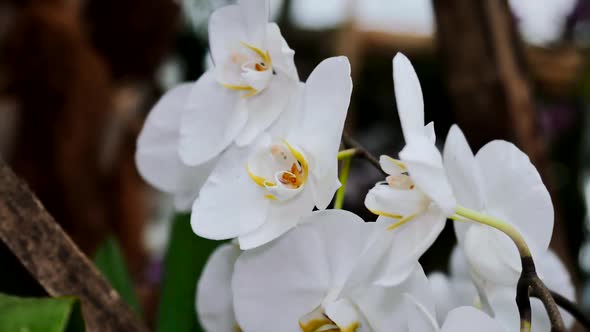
x,y
62,63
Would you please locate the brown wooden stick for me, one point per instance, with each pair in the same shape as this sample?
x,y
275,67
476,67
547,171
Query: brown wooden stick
x,y
55,261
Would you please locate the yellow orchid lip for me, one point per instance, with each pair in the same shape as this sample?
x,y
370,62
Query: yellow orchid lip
x,y
293,178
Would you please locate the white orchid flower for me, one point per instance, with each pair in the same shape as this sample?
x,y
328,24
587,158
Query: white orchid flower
x,y
248,88
416,197
458,289
251,84
214,300
302,281
258,193
499,181
462,319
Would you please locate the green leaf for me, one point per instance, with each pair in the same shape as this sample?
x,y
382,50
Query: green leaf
x,y
21,314
185,258
111,263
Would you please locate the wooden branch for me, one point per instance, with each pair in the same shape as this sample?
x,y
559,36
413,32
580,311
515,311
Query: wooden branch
x,y
55,261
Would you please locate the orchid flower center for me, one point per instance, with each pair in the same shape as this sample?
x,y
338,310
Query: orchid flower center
x,y
256,71
281,169
402,200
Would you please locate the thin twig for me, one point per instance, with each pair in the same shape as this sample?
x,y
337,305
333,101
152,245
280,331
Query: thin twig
x,y
361,151
54,260
541,292
529,283
571,308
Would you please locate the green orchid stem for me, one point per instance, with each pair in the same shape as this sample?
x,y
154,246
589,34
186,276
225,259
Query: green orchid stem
x,y
343,178
529,282
348,153
498,224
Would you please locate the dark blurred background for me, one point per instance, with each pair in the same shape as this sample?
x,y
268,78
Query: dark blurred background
x,y
77,78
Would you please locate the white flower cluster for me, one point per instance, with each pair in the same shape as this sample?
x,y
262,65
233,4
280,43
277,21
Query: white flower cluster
x,y
254,151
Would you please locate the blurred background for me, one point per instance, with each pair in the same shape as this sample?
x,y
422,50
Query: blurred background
x,y
78,77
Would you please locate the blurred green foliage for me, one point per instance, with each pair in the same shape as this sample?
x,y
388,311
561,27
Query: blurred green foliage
x,y
110,262
19,314
185,258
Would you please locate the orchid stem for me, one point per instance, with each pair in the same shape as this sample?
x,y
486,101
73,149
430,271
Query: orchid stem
x,y
498,224
529,282
348,153
343,178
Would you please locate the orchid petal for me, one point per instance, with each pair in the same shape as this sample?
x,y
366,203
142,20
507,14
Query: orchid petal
x,y
344,314
214,301
325,103
464,177
443,294
282,216
429,132
227,29
515,192
492,254
424,164
323,189
419,317
391,166
230,204
210,122
256,14
311,260
157,156
383,307
411,239
264,108
408,96
468,319
281,54
385,200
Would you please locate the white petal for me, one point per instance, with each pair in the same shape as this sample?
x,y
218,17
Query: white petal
x,y
344,314
429,132
383,307
383,198
283,126
419,318
157,146
325,103
424,164
468,319
515,192
390,165
281,54
463,174
323,189
256,14
276,284
282,216
210,122
214,300
191,184
443,294
411,240
227,29
230,204
492,255
264,108
392,255
408,96
459,268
